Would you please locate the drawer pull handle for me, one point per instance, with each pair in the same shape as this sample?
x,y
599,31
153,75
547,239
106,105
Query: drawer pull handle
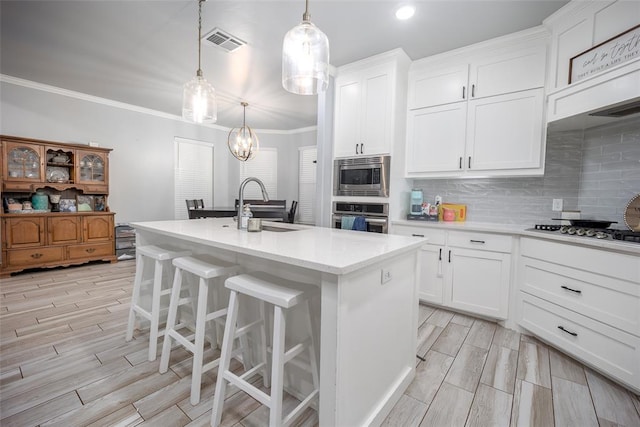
x,y
477,241
569,332
36,256
440,255
449,257
91,250
417,235
577,291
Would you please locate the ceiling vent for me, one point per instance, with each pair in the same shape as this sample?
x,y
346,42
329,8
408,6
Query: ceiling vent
x,y
224,40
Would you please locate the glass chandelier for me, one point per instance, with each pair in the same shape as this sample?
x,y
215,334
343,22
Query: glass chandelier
x,y
199,97
305,58
243,142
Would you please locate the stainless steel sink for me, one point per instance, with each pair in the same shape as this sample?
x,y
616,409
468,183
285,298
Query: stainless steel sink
x,y
277,229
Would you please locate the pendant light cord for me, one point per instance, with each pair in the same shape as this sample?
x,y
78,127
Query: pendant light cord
x,y
199,72
306,16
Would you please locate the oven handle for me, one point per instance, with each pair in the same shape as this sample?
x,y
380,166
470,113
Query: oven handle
x,y
367,219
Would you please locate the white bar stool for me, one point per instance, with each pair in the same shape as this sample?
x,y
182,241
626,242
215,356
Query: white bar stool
x,y
207,269
162,258
283,294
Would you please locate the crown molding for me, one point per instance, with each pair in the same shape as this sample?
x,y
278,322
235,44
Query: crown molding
x,y
124,106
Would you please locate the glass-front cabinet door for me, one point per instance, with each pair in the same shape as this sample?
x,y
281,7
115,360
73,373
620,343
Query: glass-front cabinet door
x,y
23,162
92,168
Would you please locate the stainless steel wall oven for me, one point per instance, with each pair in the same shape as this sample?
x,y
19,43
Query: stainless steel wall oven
x,y
376,215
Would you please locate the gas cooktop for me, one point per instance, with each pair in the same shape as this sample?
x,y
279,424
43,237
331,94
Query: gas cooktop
x,y
597,233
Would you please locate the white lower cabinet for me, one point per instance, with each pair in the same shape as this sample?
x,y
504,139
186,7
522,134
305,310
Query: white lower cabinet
x,y
468,271
585,301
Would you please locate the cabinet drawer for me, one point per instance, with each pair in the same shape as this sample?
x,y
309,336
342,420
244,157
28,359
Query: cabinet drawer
x,y
601,261
435,236
96,189
604,347
606,299
17,186
34,257
90,251
486,241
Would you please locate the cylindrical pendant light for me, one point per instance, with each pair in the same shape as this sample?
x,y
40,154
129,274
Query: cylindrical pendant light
x,y
305,58
243,142
199,97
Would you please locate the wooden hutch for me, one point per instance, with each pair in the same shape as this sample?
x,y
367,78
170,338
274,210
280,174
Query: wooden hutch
x,y
83,228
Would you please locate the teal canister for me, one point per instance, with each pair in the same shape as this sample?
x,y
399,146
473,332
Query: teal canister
x,y
40,201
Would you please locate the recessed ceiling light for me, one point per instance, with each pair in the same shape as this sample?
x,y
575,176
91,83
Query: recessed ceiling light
x,y
405,12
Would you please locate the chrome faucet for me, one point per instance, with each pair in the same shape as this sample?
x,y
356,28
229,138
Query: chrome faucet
x,y
265,196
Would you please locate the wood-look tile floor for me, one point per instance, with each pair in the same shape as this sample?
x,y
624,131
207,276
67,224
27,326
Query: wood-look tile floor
x,y
64,361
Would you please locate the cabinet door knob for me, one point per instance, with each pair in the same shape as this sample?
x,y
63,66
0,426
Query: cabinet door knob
x,y
469,162
361,148
36,256
91,250
473,90
568,332
356,148
463,92
460,165
440,255
577,291
417,235
449,255
477,241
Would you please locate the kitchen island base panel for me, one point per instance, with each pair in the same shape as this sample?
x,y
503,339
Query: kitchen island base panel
x,y
367,329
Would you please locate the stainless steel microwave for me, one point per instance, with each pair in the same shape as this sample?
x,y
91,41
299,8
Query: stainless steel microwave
x,y
361,176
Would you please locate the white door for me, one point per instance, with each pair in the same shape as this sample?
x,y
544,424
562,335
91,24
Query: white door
x,y
307,185
505,132
436,138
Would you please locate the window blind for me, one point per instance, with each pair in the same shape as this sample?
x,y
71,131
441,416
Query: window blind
x,y
264,167
193,174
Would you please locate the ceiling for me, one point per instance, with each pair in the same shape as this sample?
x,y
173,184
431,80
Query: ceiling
x,y
142,52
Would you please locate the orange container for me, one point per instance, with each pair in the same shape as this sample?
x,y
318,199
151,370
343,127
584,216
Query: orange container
x,y
459,210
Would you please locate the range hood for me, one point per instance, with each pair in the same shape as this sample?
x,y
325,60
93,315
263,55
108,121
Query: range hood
x,y
609,97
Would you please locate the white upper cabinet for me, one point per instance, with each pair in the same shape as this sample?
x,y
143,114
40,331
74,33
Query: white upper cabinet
x,y
365,105
439,87
479,110
504,132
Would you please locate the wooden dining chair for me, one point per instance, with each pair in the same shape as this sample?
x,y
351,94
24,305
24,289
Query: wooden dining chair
x,y
193,206
291,216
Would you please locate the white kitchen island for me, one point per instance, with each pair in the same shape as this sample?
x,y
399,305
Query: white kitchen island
x,y
367,310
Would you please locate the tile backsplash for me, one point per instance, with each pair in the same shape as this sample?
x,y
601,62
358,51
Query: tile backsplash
x,y
596,171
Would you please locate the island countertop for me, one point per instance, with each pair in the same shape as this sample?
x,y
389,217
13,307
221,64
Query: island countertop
x,y
323,249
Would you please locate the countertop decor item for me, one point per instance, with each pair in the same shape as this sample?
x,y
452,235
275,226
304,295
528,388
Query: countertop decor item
x,y
305,58
632,213
199,97
243,142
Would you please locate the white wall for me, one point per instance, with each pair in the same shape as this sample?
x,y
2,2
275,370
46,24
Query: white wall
x,y
141,163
